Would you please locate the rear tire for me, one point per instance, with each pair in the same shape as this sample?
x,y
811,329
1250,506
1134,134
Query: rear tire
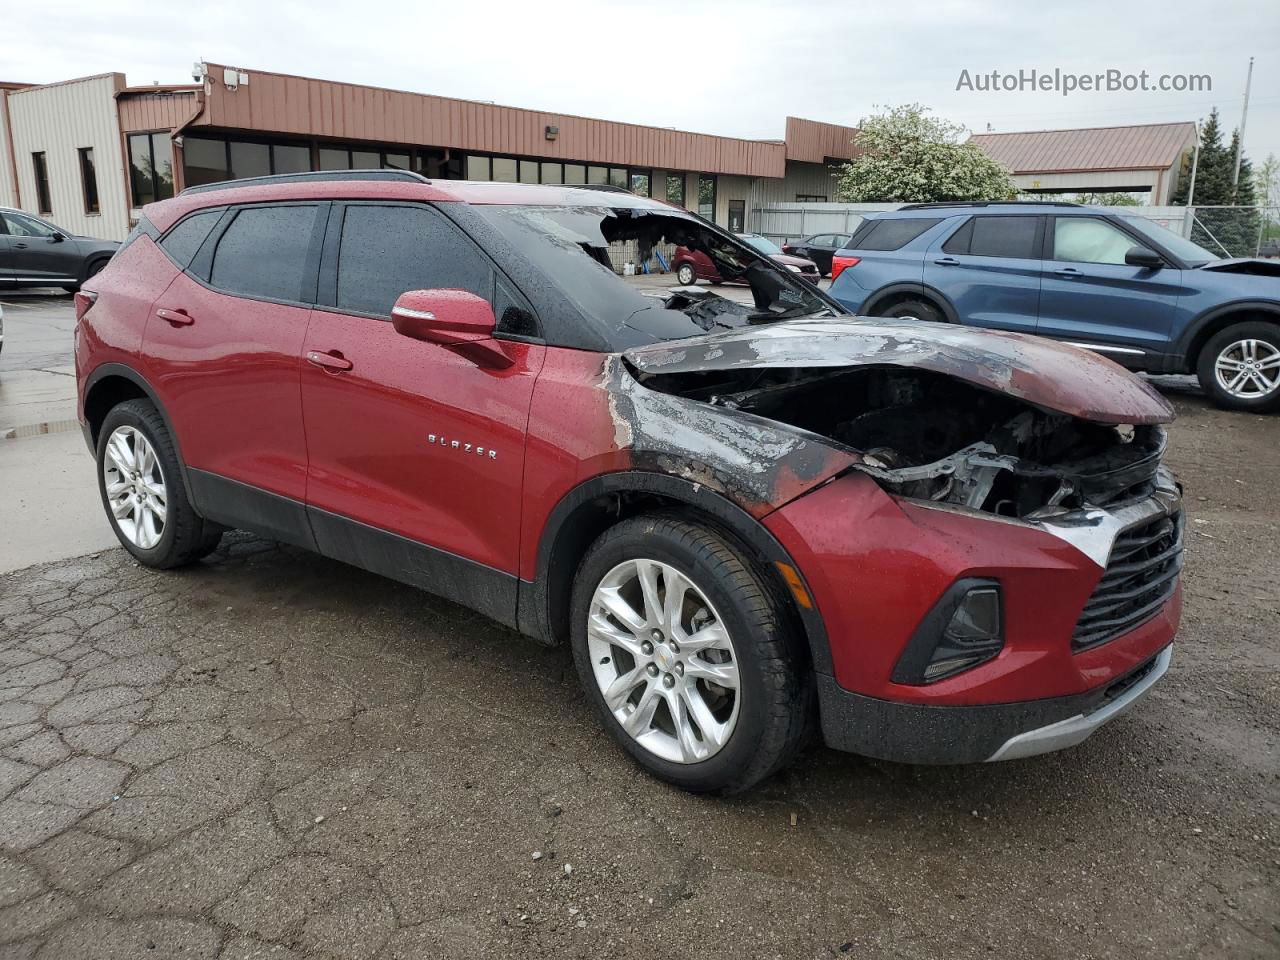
x,y
743,730
914,309
1239,368
140,482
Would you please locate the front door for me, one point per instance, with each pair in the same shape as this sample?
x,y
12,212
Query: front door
x,y
1090,295
39,252
989,269
224,346
416,453
737,216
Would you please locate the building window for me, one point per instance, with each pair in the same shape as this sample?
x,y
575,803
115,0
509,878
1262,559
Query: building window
x,y
204,161
290,158
332,158
707,196
575,173
42,182
811,198
675,189
553,173
477,168
504,169
249,159
597,174
150,167
211,161
640,182
89,180
395,161
617,177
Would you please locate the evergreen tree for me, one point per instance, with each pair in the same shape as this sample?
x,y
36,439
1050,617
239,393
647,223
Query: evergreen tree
x,y
1231,231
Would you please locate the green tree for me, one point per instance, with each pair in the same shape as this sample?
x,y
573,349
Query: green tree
x,y
909,157
1224,222
1266,188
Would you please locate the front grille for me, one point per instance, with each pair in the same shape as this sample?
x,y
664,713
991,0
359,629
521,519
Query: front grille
x,y
1140,576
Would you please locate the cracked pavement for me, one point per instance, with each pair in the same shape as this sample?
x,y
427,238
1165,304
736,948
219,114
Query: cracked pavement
x,y
272,755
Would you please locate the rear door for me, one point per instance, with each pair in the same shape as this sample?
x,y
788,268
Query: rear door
x,y
989,268
1090,295
224,347
39,252
419,446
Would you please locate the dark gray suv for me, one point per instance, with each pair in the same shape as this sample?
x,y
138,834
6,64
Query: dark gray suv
x,y
35,253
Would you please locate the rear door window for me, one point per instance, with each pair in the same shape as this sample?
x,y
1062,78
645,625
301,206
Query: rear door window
x,y
1013,238
891,234
264,253
387,250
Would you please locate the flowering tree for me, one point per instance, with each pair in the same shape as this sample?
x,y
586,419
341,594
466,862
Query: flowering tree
x,y
913,158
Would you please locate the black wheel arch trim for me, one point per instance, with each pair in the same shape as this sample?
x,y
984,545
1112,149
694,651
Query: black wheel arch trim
x,y
1192,333
916,289
535,601
102,372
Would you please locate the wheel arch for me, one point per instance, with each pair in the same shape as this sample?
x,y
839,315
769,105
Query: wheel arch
x,y
112,384
1202,329
597,504
906,291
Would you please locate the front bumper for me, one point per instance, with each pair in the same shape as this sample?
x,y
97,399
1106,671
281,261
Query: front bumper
x,y
927,734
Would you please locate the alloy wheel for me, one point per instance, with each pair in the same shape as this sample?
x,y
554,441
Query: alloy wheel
x,y
135,485
1248,369
664,661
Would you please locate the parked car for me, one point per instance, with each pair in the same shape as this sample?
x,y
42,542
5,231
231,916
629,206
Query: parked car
x,y
938,545
690,266
819,248
35,253
1094,277
1269,250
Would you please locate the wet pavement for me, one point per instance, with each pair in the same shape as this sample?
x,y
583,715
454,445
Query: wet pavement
x,y
270,754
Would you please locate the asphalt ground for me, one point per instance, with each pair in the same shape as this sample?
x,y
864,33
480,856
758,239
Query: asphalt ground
x,y
271,754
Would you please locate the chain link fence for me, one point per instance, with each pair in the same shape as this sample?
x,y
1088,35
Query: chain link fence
x,y
1223,231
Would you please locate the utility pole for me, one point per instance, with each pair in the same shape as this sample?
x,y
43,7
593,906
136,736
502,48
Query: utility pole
x,y
1188,215
1244,115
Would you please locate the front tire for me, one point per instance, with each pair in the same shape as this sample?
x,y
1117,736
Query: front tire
x,y
140,481
1239,368
687,656
686,275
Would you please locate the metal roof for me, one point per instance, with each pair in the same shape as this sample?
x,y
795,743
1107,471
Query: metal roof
x,y
1153,146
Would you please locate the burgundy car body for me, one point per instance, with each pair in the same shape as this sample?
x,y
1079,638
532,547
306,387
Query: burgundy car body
x,y
704,269
472,464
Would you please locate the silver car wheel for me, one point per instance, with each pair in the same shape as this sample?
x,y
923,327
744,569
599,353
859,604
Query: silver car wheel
x,y
686,275
664,661
136,493
1248,369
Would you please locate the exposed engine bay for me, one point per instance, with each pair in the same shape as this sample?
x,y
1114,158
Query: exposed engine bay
x,y
928,436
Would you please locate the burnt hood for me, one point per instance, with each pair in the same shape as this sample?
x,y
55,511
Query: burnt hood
x,y
1043,373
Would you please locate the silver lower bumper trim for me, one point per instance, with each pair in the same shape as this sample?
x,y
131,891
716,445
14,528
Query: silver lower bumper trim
x,y
1074,730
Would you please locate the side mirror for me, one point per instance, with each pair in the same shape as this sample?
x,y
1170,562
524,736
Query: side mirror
x,y
1140,256
454,319
56,238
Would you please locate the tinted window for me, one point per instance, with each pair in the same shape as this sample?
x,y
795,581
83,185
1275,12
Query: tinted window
x,y
182,242
958,242
1085,240
388,250
1010,237
205,161
263,253
892,234
250,159
21,226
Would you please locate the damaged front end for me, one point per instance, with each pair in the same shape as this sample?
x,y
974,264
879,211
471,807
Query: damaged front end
x,y
1007,425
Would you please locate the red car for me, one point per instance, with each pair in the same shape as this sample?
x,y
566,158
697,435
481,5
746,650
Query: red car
x,y
690,266
939,544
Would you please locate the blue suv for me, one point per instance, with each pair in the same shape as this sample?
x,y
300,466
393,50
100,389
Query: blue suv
x,y
1091,276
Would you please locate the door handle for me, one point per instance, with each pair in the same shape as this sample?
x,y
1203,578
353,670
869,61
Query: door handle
x,y
328,361
947,262
1069,272
20,246
176,318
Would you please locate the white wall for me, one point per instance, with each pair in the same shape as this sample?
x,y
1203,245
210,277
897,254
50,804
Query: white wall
x,y
8,193
58,119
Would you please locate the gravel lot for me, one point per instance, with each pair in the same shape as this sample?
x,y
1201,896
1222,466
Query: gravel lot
x,y
274,755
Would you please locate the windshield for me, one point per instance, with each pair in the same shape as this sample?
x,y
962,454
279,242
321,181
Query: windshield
x,y
582,250
1180,247
767,247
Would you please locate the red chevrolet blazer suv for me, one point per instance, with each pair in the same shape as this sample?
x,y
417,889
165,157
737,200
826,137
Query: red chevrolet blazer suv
x,y
749,520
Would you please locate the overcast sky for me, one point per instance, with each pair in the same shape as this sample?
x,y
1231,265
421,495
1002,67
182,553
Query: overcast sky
x,y
716,66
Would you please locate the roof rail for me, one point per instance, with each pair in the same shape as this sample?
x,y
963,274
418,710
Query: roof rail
x,y
602,187
307,177
989,203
